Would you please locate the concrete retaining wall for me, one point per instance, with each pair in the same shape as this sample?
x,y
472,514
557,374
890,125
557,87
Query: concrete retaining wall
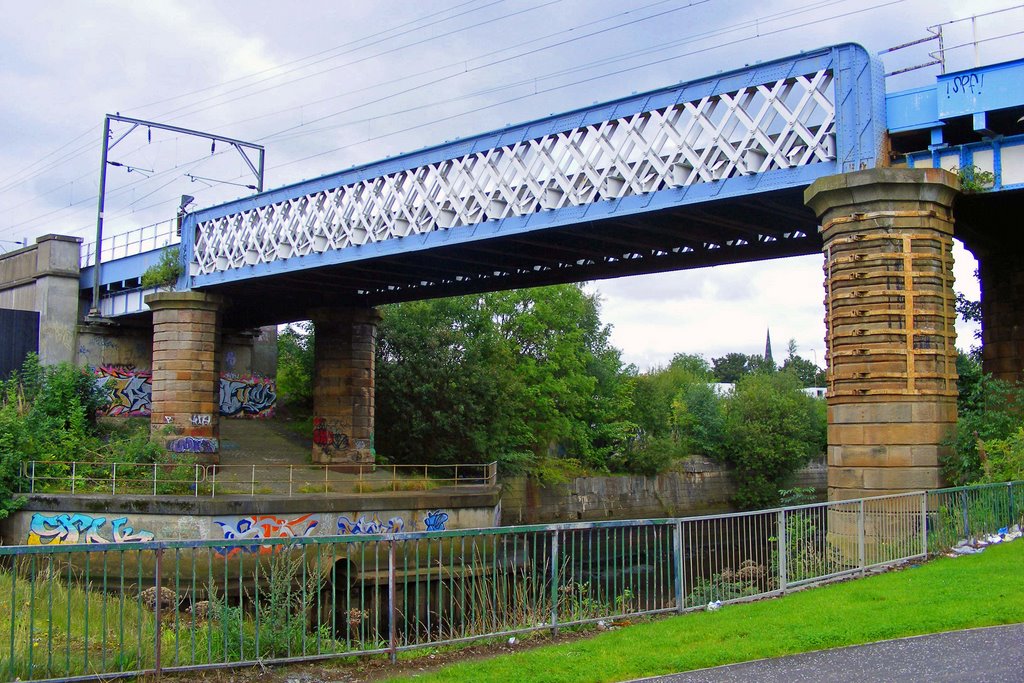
x,y
64,519
701,487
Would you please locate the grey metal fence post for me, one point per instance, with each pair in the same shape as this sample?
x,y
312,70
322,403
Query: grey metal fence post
x,y
967,522
392,607
783,551
554,582
1009,490
113,480
924,523
861,558
158,598
677,554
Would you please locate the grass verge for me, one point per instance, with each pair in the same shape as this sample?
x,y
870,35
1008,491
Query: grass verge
x,y
942,595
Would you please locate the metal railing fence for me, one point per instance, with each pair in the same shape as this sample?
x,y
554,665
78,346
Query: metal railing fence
x,y
98,611
131,242
183,479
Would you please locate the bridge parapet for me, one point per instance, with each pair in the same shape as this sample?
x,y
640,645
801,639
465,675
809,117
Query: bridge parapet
x,y
778,124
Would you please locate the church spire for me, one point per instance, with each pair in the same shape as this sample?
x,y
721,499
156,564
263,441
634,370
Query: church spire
x,y
768,348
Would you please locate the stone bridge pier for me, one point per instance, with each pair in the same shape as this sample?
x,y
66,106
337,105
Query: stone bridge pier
x,y
890,314
185,413
343,385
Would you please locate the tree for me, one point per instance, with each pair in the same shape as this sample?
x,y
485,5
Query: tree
x,y
732,366
295,348
523,376
654,391
987,409
698,420
771,430
809,374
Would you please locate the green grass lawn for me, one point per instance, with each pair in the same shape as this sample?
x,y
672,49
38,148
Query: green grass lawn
x,y
943,595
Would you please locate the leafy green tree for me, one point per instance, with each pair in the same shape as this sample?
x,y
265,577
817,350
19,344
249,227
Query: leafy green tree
x,y
987,409
732,366
698,420
809,374
654,392
295,347
523,376
771,430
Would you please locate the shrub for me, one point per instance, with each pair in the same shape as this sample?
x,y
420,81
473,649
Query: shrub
x,y
165,272
772,428
1005,458
987,409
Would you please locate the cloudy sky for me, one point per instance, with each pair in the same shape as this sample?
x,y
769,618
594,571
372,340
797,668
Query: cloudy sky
x,y
326,85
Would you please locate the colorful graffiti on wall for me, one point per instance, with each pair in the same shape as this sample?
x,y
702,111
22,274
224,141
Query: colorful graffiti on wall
x,y
247,396
369,526
131,393
328,436
131,390
255,527
64,529
434,520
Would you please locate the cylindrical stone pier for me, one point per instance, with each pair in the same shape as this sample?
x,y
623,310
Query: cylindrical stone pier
x,y
343,385
890,315
186,383
1002,313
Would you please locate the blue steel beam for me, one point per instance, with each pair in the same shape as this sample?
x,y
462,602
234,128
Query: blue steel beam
x,y
962,93
858,97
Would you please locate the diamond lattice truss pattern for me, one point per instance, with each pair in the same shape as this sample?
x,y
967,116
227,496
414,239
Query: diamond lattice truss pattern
x,y
784,124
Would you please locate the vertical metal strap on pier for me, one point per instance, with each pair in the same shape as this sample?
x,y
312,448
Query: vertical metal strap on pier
x,y
677,554
158,598
554,582
781,548
392,607
860,537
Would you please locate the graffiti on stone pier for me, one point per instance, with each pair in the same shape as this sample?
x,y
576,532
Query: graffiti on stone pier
x,y
247,396
192,444
131,393
63,529
255,527
130,390
328,436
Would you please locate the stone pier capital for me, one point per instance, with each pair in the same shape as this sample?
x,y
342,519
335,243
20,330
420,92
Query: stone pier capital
x,y
873,189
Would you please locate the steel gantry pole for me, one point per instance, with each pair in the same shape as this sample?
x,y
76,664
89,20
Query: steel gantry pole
x,y
94,310
241,146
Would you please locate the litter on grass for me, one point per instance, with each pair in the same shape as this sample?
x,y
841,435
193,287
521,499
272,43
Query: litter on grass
x,y
973,546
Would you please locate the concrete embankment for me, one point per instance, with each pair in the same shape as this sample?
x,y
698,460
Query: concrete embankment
x,y
699,487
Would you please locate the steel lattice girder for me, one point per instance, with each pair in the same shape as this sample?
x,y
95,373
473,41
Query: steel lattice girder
x,y
773,126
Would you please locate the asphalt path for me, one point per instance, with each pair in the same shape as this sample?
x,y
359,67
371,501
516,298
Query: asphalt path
x,y
993,654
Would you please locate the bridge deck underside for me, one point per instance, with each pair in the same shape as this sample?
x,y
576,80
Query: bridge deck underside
x,y
753,227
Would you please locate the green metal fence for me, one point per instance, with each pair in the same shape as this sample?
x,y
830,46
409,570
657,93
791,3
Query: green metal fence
x,y
101,611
